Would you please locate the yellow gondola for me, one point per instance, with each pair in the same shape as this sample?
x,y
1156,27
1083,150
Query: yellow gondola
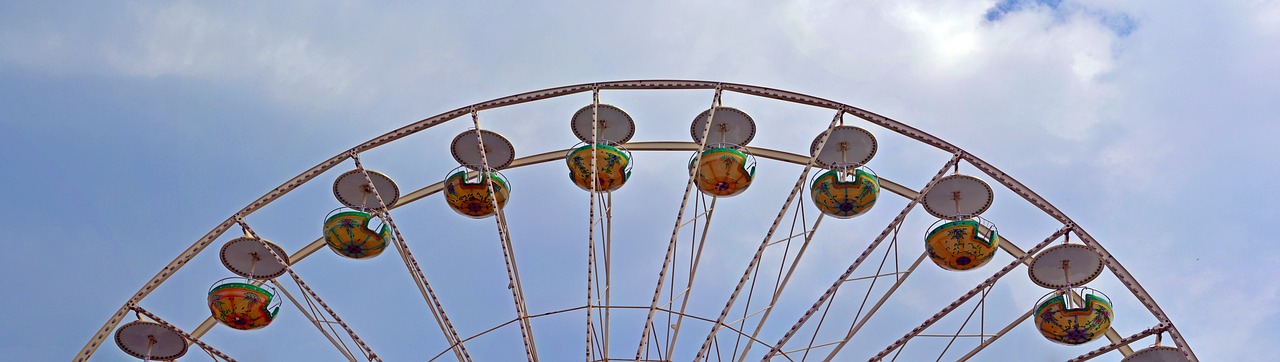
x,y
836,197
724,172
242,306
960,244
1061,323
348,233
471,198
613,167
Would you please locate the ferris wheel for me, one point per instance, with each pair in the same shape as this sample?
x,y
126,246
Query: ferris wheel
x,y
730,280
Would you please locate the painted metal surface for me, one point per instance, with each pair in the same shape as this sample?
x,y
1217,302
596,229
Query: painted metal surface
x,y
843,195
999,176
723,172
351,234
612,167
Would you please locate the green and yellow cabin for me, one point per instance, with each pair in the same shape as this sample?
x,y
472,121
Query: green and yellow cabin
x,y
471,198
836,195
349,234
613,167
242,306
723,172
1072,326
960,245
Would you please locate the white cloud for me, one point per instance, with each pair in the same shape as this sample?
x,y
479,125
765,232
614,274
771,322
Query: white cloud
x,y
186,39
1055,93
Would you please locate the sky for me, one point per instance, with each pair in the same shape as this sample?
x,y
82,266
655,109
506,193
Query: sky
x,y
131,129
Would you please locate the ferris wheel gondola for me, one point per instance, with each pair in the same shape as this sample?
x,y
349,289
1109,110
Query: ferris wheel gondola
x,y
961,239
350,230
472,193
724,167
238,302
847,189
603,149
1074,316
1072,313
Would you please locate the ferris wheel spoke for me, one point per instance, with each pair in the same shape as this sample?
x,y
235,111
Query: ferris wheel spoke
x,y
859,319
695,259
988,341
598,281
608,274
1109,261
780,281
591,219
508,251
755,260
337,343
981,305
675,232
1011,248
972,292
1124,342
831,291
368,352
856,324
415,271
206,347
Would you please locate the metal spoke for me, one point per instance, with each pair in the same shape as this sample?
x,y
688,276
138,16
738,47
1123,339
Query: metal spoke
x,y
368,352
342,347
591,221
763,244
972,292
675,232
782,281
508,251
162,322
831,291
988,341
1123,342
857,325
981,303
415,271
694,260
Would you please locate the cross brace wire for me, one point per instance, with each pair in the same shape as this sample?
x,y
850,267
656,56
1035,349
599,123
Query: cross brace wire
x,y
822,142
508,251
972,292
341,346
206,347
420,279
368,352
675,232
831,291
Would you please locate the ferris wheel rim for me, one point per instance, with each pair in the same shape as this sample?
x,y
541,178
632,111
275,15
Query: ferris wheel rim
x,y
787,96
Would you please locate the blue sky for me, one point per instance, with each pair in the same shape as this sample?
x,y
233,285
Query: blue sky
x,y
132,129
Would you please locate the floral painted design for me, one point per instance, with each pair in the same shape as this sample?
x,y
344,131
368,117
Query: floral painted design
x,y
959,245
471,198
613,167
348,234
242,306
841,198
723,172
1073,326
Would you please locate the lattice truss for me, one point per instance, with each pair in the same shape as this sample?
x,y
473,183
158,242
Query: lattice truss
x,y
733,280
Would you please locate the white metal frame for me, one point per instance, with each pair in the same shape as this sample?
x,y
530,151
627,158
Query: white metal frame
x,y
524,316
